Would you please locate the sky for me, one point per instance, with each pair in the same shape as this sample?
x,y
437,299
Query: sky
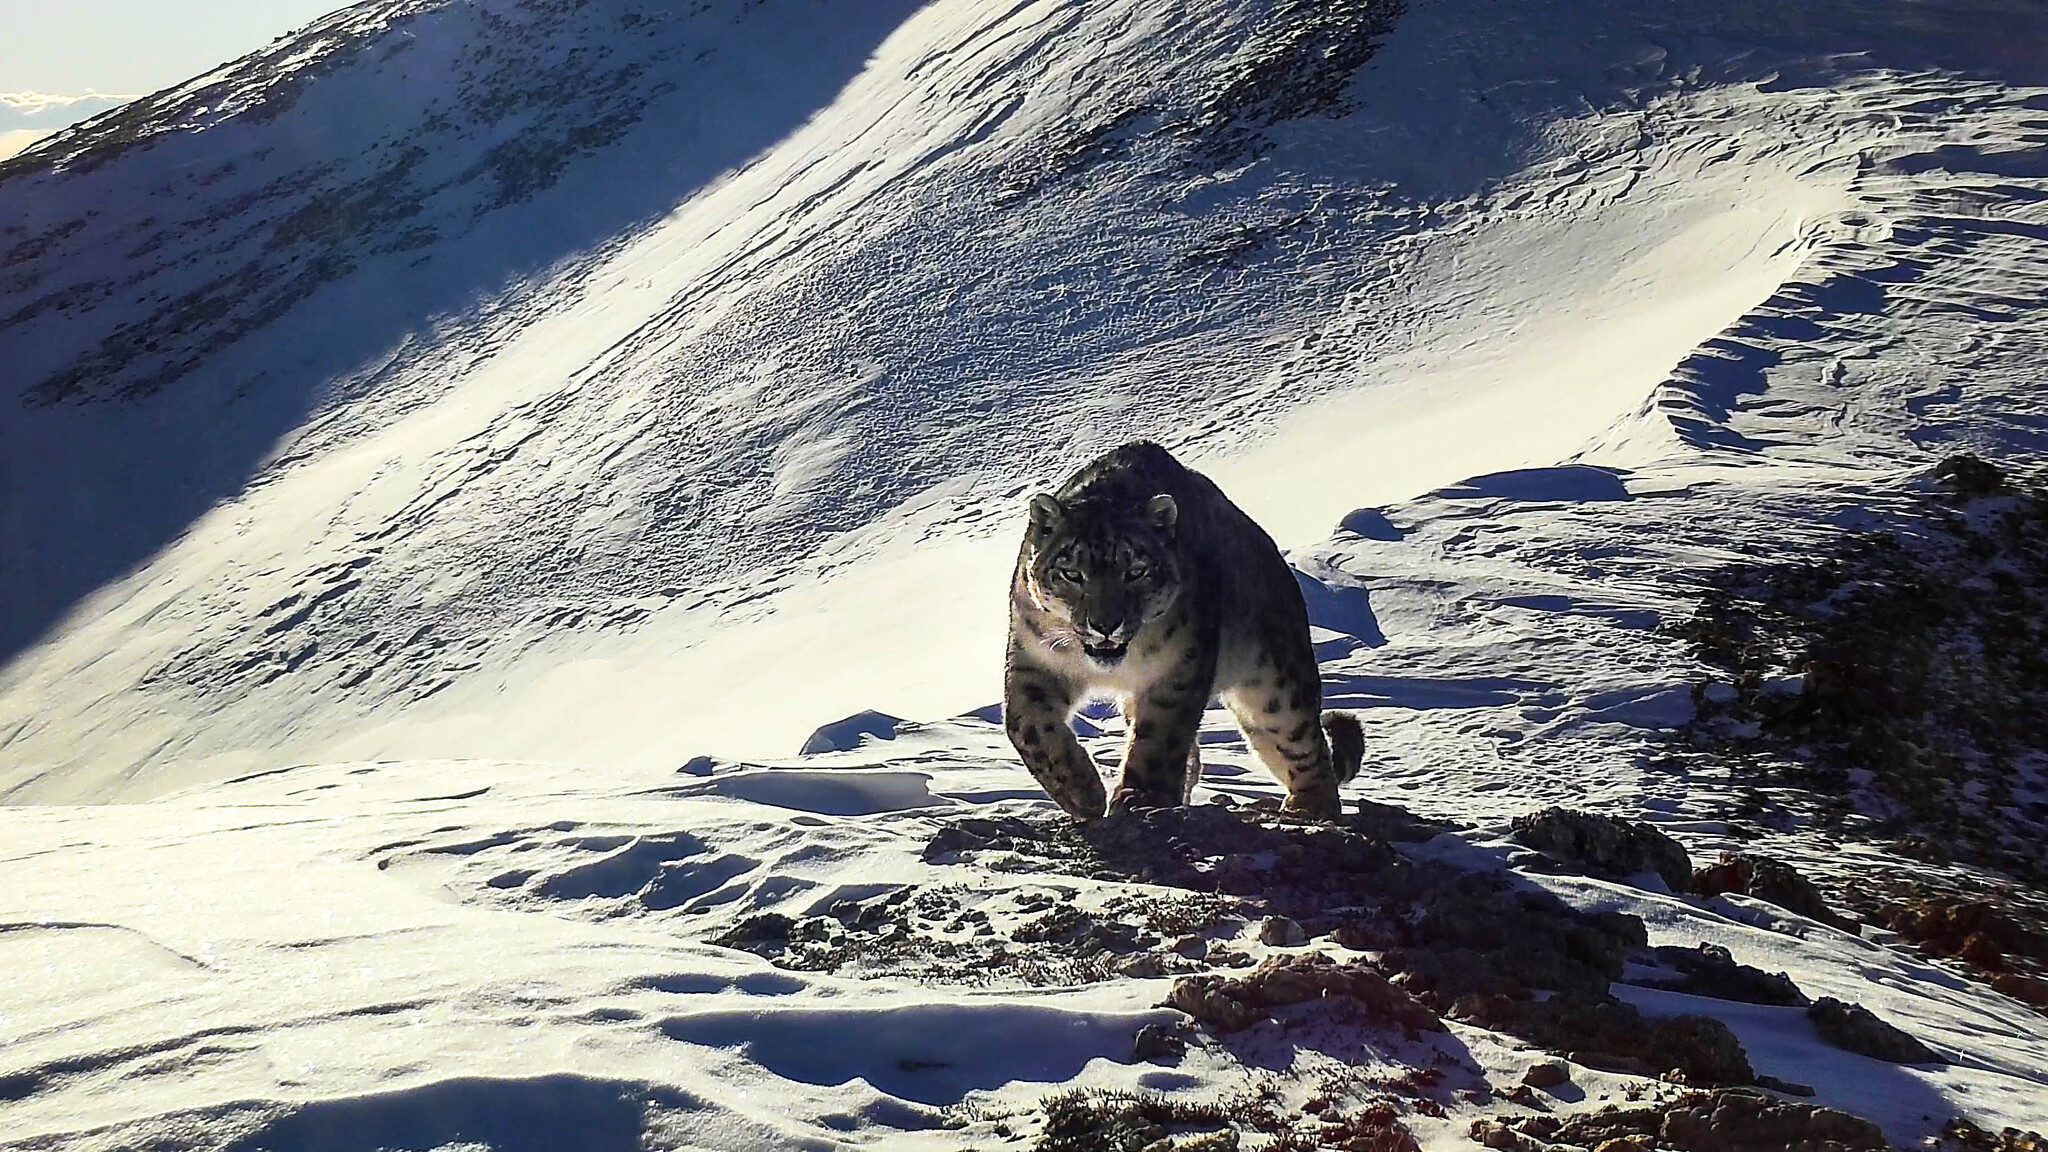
x,y
60,61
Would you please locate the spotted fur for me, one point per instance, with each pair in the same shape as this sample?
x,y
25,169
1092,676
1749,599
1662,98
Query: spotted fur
x,y
1140,581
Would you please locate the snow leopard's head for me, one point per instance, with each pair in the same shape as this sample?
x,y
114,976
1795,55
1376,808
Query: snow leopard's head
x,y
1103,570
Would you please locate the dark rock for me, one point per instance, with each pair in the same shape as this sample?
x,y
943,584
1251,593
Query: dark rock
x,y
1701,1049
1604,846
1786,1086
1857,1029
1157,1042
1548,1074
1960,1135
1610,1062
1377,1128
1925,849
1983,932
1771,881
1358,937
1479,946
1969,475
765,926
1231,1004
1741,1122
1143,966
1603,1032
1218,1001
1224,956
1730,1120
1526,860
1280,932
1917,645
2026,989
1709,970
950,842
1388,822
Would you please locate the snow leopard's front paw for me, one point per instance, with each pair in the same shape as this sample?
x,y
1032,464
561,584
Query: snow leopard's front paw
x,y
1127,799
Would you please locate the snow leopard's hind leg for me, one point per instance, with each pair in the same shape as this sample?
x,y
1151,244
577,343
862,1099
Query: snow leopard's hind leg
x,y
1279,705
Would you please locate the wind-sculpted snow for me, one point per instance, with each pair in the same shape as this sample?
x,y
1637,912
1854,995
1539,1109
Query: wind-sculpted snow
x,y
576,428
546,579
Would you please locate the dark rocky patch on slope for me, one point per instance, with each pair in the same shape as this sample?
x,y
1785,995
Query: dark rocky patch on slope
x,y
523,108
1902,677
1300,67
1989,927
1297,63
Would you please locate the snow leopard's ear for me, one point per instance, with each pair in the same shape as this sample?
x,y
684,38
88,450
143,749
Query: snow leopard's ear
x,y
1164,512
1046,513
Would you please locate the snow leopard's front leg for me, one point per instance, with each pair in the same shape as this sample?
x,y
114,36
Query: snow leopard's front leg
x,y
1165,720
1036,704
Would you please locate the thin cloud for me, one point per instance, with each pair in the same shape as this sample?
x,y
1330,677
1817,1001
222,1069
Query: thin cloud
x,y
52,110
26,117
38,101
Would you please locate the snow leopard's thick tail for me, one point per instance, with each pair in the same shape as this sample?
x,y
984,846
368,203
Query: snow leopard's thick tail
x,y
1347,742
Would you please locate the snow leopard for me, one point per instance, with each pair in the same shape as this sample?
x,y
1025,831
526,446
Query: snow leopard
x,y
1140,582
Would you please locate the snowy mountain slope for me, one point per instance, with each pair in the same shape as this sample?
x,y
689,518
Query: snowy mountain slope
x,y
550,490
1562,308
26,117
250,240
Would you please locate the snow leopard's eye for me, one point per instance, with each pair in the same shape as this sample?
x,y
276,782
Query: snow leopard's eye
x,y
1070,575
1138,571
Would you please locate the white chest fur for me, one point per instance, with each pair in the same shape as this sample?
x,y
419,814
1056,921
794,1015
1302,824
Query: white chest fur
x,y
1120,681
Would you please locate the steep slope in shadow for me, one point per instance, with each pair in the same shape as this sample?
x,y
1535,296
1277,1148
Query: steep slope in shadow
x,y
186,280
